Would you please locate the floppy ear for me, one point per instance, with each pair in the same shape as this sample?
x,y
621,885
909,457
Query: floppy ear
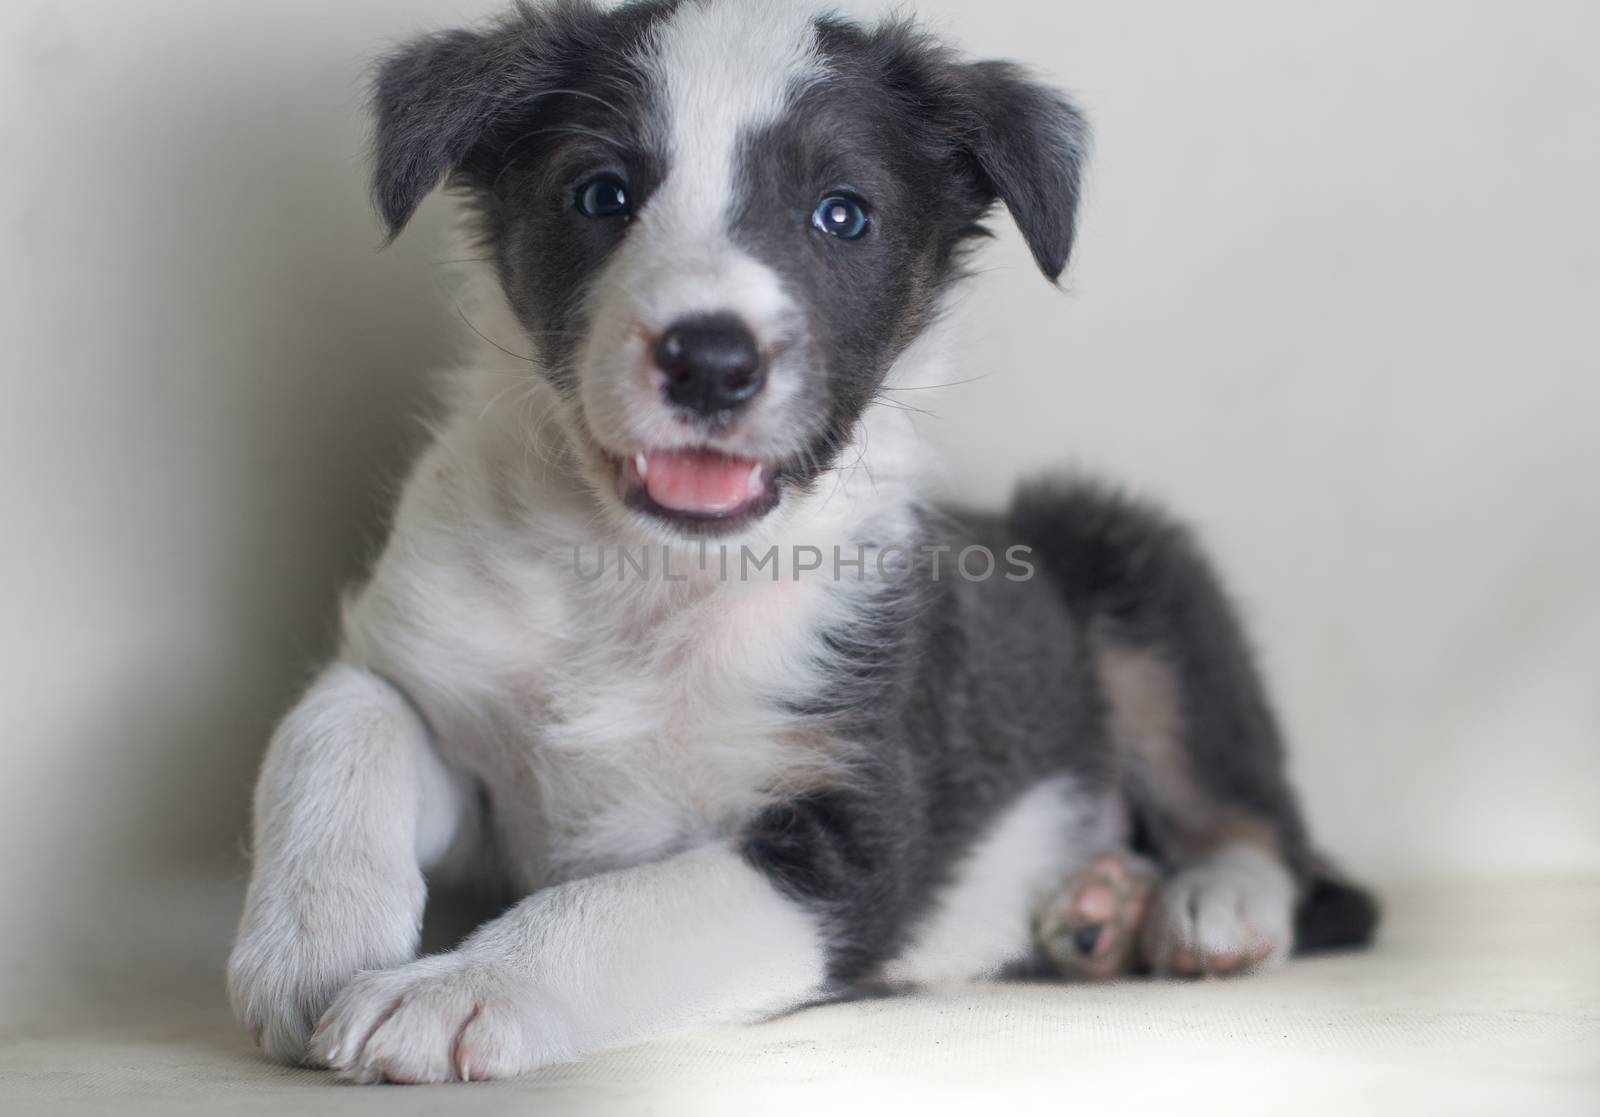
x,y
433,101
1030,144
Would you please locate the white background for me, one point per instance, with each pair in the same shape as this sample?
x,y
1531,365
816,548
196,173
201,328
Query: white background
x,y
1336,299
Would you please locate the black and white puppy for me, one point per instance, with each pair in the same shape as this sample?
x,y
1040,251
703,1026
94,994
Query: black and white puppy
x,y
667,633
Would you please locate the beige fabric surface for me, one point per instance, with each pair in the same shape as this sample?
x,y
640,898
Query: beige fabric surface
x,y
1482,998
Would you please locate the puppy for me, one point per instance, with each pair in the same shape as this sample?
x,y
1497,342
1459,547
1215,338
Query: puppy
x,y
667,636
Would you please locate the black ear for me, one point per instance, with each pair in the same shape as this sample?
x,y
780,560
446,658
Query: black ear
x,y
433,101
1030,143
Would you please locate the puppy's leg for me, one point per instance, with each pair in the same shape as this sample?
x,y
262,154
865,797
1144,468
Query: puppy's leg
x,y
703,937
351,804
1214,810
1197,744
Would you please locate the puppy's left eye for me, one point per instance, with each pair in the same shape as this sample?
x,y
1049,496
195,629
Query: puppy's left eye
x,y
841,217
604,196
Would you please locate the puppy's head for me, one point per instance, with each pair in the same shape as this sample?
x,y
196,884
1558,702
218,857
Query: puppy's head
x,y
720,222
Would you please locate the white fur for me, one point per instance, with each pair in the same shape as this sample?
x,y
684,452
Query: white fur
x,y
614,721
1237,903
984,919
592,964
679,258
351,804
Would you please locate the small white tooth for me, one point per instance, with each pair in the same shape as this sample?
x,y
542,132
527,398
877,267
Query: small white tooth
x,y
642,465
757,480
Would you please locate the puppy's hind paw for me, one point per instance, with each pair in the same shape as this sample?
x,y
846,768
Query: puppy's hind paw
x,y
1230,913
1091,929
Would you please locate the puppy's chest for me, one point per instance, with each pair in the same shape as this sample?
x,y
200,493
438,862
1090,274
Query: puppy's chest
x,y
642,734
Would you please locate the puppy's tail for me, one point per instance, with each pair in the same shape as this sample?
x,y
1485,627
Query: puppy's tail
x,y
1335,913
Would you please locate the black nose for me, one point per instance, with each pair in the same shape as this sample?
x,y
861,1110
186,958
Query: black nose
x,y
712,364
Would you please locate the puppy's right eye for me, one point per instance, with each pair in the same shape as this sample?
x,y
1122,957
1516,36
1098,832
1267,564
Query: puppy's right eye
x,y
604,196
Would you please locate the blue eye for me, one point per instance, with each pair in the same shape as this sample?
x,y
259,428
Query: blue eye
x,y
841,217
604,196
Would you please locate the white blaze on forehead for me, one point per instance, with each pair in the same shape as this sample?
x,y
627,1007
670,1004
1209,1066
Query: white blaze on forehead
x,y
718,70
725,67
721,69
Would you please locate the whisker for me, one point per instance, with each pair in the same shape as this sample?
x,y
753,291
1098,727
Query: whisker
x,y
488,407
520,99
462,314
510,374
905,407
936,387
560,130
597,99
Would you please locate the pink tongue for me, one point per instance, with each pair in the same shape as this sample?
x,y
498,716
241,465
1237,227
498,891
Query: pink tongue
x,y
701,482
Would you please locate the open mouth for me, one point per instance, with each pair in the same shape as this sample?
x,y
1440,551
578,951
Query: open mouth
x,y
704,492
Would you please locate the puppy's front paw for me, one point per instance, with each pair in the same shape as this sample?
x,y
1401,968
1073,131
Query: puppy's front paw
x,y
451,1017
292,958
1232,912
